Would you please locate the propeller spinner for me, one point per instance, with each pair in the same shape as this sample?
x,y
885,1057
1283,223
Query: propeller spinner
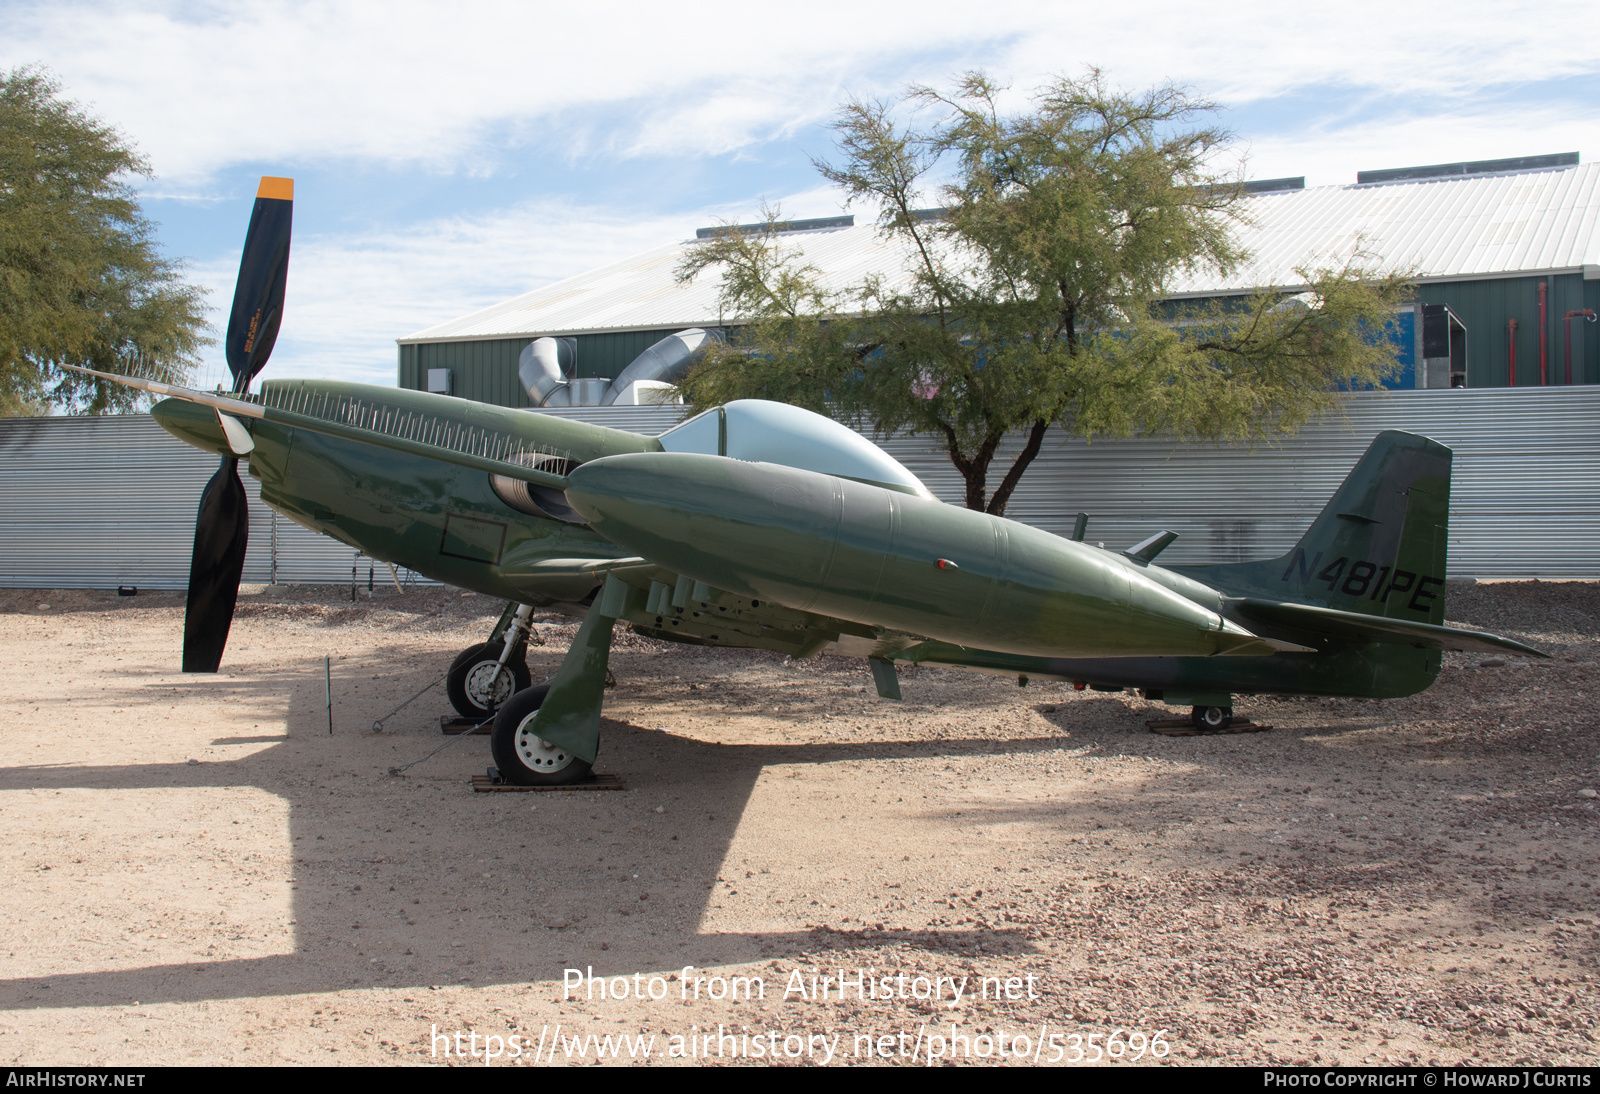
x,y
222,527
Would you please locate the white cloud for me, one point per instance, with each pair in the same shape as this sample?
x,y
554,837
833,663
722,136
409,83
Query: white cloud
x,y
439,85
351,296
1334,153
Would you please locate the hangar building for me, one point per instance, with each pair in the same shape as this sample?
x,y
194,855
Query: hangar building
x,y
1506,254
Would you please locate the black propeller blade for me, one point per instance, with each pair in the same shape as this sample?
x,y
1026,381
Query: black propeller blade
x,y
221,533
222,528
263,274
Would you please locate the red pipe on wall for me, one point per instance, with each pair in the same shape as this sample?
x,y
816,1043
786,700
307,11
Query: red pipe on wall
x,y
1511,347
1544,333
1587,313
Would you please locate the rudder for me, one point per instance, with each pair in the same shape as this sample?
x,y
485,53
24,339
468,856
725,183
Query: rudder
x,y
1378,547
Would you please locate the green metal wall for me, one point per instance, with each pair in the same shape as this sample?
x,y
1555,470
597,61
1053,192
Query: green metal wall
x,y
486,371
1486,306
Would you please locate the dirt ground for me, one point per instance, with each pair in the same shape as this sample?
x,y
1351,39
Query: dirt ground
x,y
198,872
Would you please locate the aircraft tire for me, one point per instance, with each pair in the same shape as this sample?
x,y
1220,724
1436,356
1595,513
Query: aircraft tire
x,y
473,672
1211,719
527,760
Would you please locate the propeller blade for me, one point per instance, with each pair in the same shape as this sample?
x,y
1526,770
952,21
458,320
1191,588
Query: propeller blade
x,y
221,532
222,528
263,274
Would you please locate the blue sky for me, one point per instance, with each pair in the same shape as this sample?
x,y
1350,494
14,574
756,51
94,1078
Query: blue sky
x,y
448,156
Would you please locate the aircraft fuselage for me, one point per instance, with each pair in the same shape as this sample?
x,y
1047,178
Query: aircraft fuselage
x,y
448,523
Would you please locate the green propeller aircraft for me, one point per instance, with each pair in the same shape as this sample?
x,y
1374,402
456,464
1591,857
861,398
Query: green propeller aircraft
x,y
760,525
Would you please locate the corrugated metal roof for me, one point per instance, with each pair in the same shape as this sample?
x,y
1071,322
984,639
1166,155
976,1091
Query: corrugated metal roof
x,y
1439,229
643,291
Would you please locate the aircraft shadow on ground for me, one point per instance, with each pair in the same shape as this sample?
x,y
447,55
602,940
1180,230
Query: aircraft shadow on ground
x,y
544,877
558,866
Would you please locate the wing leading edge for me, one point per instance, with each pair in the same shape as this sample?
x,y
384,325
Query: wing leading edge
x,y
349,419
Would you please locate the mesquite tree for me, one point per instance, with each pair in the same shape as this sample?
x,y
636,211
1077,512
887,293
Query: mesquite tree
x,y
1031,294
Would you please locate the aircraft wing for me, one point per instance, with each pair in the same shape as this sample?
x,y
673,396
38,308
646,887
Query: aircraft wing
x,y
1352,626
581,567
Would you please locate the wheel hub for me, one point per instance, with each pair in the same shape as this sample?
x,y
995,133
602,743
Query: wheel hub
x,y
489,683
539,754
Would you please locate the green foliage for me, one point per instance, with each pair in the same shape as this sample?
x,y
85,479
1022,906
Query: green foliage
x,y
1034,296
81,281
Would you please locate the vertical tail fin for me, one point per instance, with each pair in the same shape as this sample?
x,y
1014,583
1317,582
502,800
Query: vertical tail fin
x,y
1378,547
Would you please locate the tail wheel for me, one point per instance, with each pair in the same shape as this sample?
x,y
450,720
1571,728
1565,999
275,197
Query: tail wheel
x,y
522,756
1211,719
478,682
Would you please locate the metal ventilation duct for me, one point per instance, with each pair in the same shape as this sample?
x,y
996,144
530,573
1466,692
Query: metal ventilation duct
x,y
666,361
543,369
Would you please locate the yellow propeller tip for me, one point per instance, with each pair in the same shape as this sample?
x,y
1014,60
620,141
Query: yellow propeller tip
x,y
280,189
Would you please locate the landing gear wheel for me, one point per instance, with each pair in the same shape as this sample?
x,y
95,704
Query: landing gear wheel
x,y
526,759
477,681
1211,719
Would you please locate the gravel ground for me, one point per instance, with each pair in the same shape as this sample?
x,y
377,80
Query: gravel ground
x,y
200,872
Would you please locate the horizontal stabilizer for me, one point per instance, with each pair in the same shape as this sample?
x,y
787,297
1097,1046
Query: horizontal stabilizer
x,y
1256,646
1352,626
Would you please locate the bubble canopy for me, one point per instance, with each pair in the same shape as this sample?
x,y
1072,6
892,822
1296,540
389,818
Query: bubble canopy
x,y
759,431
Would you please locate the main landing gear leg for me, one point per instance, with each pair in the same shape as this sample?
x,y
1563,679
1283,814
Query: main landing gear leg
x,y
484,677
550,736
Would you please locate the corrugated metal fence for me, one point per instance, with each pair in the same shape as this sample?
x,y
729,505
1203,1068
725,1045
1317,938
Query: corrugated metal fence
x,y
93,503
97,502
